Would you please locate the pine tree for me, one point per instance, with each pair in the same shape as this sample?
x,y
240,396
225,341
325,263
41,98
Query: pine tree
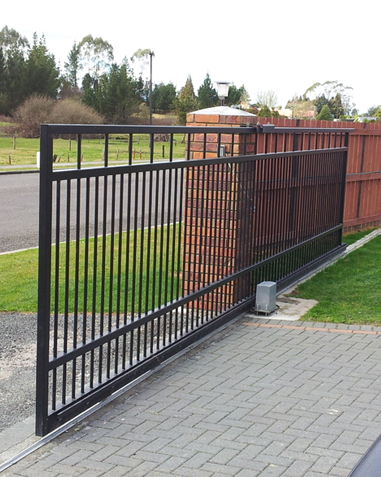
x,y
73,66
325,114
42,72
186,101
207,95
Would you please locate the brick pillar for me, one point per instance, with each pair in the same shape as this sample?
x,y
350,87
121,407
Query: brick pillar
x,y
218,210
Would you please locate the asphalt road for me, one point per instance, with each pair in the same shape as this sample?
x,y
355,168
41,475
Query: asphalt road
x,y
19,208
18,211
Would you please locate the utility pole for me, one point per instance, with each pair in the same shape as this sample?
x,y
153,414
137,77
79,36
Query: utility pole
x,y
151,54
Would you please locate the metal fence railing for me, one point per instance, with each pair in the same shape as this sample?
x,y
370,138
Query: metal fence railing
x,y
140,259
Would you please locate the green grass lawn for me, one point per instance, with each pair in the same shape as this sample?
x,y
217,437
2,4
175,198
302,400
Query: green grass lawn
x,y
23,151
348,291
140,282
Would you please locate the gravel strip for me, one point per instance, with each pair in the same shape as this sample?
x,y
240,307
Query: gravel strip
x,y
17,367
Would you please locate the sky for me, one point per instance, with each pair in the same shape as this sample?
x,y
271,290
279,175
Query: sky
x,y
280,45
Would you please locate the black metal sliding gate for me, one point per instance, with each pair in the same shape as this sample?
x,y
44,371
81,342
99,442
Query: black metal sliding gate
x,y
130,266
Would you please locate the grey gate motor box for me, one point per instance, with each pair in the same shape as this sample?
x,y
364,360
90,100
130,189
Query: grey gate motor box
x,y
265,300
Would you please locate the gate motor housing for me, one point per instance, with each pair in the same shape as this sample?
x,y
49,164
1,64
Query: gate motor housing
x,y
265,300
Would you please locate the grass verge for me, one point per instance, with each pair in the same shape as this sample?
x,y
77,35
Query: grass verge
x,y
137,273
22,151
348,291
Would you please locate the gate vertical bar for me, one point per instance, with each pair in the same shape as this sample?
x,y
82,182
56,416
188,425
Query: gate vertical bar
x,y
44,277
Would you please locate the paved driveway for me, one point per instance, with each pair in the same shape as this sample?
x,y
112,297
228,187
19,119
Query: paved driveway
x,y
260,398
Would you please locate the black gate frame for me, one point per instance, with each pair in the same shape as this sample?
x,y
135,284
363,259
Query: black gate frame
x,y
283,261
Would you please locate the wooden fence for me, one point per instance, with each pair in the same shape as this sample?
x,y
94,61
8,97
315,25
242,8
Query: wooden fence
x,y
363,187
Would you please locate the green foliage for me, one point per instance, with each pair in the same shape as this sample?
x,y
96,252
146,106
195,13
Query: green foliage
x,y
96,54
115,94
372,111
301,108
319,102
325,114
42,72
236,96
336,106
15,79
207,95
10,39
264,112
186,101
163,98
73,65
329,90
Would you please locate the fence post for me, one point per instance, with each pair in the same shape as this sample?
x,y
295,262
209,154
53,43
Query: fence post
x,y
218,209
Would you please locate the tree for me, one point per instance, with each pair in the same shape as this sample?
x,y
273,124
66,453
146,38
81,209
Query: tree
x,y
14,78
73,66
301,108
264,112
237,96
96,54
10,39
207,95
163,98
2,72
115,94
142,57
42,72
186,101
16,81
267,98
373,110
325,114
90,90
319,102
329,89
336,106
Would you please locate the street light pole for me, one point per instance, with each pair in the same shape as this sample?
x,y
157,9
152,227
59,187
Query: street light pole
x,y
151,54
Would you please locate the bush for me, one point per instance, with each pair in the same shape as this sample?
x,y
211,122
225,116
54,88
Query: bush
x,y
40,109
69,111
325,114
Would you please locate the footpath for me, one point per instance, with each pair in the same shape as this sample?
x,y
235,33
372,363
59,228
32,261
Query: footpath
x,y
262,397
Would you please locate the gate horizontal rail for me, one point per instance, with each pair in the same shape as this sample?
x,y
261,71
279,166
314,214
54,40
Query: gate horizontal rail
x,y
137,261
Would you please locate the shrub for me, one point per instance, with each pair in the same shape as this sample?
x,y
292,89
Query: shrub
x,y
39,109
69,111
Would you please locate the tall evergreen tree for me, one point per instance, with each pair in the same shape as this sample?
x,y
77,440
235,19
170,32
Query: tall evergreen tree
x,y
336,106
319,102
207,95
42,72
236,96
163,96
73,65
16,80
115,94
186,101
325,114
